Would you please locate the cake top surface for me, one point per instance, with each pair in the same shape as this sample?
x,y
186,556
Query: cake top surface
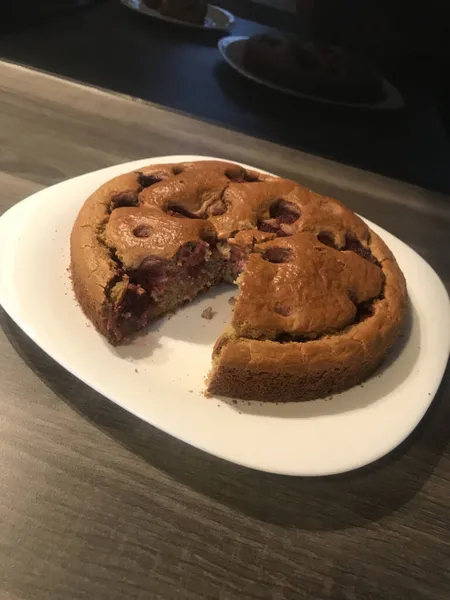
x,y
296,286
305,263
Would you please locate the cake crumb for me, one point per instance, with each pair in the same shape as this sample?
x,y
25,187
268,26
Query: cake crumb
x,y
136,371
232,300
208,313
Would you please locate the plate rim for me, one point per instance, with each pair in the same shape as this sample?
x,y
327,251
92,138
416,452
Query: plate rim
x,y
394,101
28,329
154,14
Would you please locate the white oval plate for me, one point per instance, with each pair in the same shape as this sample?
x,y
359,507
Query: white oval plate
x,y
217,19
232,50
160,377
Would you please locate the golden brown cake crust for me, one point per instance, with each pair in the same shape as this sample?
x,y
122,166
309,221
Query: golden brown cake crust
x,y
256,369
321,298
296,285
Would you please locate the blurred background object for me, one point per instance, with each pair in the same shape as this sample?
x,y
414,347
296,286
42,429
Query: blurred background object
x,y
409,39
105,44
13,13
25,7
191,11
389,29
188,13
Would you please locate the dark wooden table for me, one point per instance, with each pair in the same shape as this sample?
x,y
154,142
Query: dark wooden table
x,y
109,46
95,504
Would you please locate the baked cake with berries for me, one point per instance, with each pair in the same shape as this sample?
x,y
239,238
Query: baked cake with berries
x,y
321,298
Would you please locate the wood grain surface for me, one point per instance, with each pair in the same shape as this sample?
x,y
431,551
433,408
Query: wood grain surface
x,y
95,504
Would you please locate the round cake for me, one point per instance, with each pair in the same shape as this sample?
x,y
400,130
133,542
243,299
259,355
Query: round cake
x,y
312,68
320,300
